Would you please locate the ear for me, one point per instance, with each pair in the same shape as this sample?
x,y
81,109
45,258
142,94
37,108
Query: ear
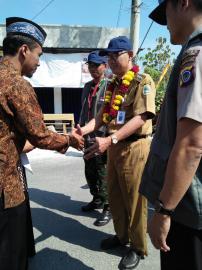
x,y
24,50
184,4
130,53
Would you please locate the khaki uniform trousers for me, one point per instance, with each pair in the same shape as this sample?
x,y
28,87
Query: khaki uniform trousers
x,y
125,166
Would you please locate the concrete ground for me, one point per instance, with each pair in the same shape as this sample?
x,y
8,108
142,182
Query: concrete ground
x,y
66,238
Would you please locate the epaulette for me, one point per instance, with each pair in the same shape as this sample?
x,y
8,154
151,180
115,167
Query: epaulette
x,y
144,77
139,77
195,39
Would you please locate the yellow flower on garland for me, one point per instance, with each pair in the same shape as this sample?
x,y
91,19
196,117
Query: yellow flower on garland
x,y
126,82
128,77
131,73
117,102
106,118
116,108
119,97
107,100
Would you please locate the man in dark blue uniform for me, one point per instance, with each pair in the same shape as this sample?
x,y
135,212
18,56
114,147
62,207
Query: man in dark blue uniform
x,y
172,179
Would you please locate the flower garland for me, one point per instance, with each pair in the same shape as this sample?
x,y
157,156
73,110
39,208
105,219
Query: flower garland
x,y
113,101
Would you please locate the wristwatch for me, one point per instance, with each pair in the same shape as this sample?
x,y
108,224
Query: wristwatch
x,y
159,208
114,139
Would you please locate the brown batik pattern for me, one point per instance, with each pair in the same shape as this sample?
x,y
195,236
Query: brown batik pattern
x,y
20,119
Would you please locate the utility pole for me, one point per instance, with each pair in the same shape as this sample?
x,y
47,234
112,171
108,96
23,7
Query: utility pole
x,y
135,24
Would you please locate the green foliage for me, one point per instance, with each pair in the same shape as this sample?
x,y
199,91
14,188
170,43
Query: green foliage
x,y
154,62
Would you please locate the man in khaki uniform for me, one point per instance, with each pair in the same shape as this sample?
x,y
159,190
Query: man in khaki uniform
x,y
128,110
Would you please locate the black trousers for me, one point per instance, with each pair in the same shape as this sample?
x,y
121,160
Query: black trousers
x,y
186,249
13,238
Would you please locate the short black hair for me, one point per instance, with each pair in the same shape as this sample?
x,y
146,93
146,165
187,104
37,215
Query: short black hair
x,y
12,43
174,2
197,4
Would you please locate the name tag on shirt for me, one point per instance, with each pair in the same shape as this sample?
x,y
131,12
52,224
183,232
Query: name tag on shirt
x,y
120,120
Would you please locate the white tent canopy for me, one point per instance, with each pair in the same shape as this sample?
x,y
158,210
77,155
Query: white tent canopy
x,y
61,70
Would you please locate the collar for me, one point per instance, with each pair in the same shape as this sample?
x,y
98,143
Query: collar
x,y
196,33
7,63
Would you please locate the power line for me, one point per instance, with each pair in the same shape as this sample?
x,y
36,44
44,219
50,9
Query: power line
x,y
140,48
119,14
49,3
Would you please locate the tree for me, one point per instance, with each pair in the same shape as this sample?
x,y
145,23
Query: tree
x,y
154,63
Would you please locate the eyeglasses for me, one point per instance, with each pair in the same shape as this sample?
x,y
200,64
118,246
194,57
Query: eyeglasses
x,y
114,56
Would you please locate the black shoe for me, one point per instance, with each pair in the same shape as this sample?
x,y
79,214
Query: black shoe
x,y
92,206
110,243
130,260
104,218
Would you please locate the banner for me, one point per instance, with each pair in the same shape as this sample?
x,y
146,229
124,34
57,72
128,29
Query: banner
x,y
61,70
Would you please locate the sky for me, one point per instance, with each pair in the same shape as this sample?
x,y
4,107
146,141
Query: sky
x,y
106,13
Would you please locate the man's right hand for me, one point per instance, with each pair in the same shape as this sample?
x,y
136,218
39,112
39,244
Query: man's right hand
x,y
76,139
78,130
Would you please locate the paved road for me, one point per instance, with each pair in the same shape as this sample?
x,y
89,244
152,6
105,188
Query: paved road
x,y
66,238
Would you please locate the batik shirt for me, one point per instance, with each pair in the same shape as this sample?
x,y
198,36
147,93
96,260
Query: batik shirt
x,y
21,118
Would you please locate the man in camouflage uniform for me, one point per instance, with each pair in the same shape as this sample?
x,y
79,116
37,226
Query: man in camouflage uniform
x,y
95,167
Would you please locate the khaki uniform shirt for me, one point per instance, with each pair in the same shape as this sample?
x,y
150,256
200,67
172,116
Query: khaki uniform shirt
x,y
140,99
20,119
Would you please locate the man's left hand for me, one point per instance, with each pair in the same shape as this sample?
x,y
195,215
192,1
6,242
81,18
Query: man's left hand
x,y
100,146
158,229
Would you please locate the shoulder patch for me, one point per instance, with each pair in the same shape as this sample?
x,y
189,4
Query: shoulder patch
x,y
187,76
146,89
138,77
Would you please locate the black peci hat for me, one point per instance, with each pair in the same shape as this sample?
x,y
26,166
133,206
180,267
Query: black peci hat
x,y
25,27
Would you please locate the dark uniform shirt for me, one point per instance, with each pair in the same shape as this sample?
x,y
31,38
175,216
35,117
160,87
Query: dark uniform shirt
x,y
183,100
20,119
92,100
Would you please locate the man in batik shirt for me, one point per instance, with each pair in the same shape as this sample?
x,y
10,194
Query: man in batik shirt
x,y
21,119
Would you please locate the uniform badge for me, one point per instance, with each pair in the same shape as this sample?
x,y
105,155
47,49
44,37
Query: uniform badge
x,y
186,76
121,117
146,89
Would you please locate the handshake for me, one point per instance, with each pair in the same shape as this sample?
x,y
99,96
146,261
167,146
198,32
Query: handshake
x,y
97,146
76,139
